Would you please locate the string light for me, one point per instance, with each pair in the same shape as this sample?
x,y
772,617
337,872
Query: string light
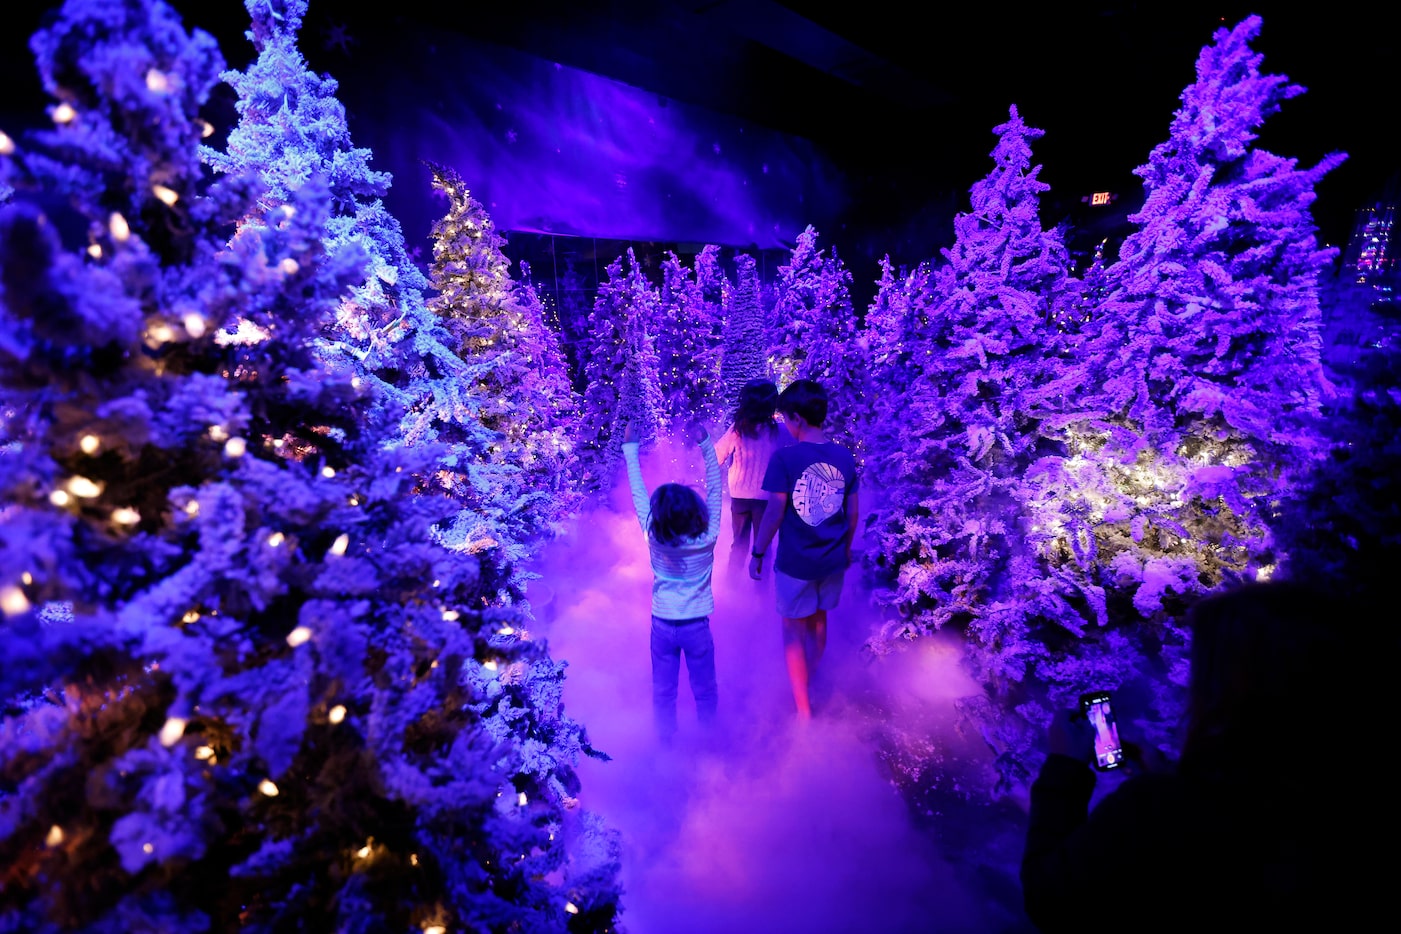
x,y
451,615
95,250
172,731
328,472
572,908
13,601
55,836
59,498
268,788
7,145
167,196
206,129
63,113
26,578
276,539
156,81
297,636
89,444
289,266
194,324
235,447
125,515
339,546
84,488
191,616
118,227
336,713
204,753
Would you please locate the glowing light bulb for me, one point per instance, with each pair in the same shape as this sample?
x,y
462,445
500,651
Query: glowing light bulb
x,y
328,472
7,145
413,859
363,852
60,498
489,664
218,432
167,196
95,250
450,615
125,515
572,908
192,508
336,714
267,788
355,382
206,129
156,81
64,113
55,836
341,543
89,444
118,227
26,578
172,731
204,753
194,324
297,636
521,799
191,616
289,266
504,631
435,929
235,447
13,601
276,539
83,487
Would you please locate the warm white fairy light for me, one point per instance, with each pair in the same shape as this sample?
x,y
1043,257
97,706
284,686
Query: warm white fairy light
x,y
297,636
125,515
489,664
156,81
60,498
363,852
7,145
204,753
26,578
413,859
356,382
147,848
505,631
84,488
572,908
336,713
289,266
328,472
521,799
172,731
267,788
235,447
64,113
206,129
435,929
276,539
192,508
89,444
167,196
341,543
191,616
13,601
55,836
194,324
159,333
451,615
95,250
118,227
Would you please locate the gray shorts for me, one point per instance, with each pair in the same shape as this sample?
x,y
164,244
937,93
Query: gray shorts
x,y
798,598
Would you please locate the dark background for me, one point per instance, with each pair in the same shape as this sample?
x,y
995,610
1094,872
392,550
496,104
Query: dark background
x,y
876,117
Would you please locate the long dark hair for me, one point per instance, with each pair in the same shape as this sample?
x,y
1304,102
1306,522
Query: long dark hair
x,y
758,399
678,513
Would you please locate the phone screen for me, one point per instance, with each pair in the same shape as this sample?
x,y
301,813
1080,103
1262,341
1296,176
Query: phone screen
x,y
1109,752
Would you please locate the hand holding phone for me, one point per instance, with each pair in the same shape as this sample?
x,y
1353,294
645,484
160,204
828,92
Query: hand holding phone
x,y
1109,751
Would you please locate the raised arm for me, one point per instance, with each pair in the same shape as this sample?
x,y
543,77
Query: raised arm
x,y
712,486
641,499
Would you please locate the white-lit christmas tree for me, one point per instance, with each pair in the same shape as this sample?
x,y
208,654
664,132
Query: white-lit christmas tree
x,y
276,702
515,380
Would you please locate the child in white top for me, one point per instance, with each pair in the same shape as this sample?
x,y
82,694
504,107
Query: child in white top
x,y
745,448
681,534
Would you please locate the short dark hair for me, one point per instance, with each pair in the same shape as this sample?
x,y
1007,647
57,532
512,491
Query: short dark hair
x,y
805,398
678,513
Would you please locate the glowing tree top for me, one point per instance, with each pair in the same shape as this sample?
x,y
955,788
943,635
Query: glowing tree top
x,y
275,696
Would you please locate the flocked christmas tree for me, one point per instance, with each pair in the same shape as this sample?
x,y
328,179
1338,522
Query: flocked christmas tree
x,y
814,335
516,380
743,354
620,372
689,332
291,125
986,389
1206,350
276,702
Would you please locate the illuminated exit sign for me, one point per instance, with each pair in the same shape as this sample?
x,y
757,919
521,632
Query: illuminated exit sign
x,y
1099,197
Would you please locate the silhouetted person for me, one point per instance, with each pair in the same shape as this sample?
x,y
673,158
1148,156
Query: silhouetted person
x,y
745,449
1275,817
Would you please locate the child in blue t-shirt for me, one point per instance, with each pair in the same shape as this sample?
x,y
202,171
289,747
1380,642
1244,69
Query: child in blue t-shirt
x,y
813,508
681,533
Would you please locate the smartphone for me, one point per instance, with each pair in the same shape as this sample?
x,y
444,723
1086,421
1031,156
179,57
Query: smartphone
x,y
1109,752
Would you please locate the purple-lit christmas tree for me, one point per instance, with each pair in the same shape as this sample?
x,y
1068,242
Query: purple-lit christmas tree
x,y
814,335
743,351
276,703
515,381
620,371
689,333
951,453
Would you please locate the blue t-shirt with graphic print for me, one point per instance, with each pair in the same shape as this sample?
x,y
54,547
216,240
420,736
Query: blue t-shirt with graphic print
x,y
817,478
